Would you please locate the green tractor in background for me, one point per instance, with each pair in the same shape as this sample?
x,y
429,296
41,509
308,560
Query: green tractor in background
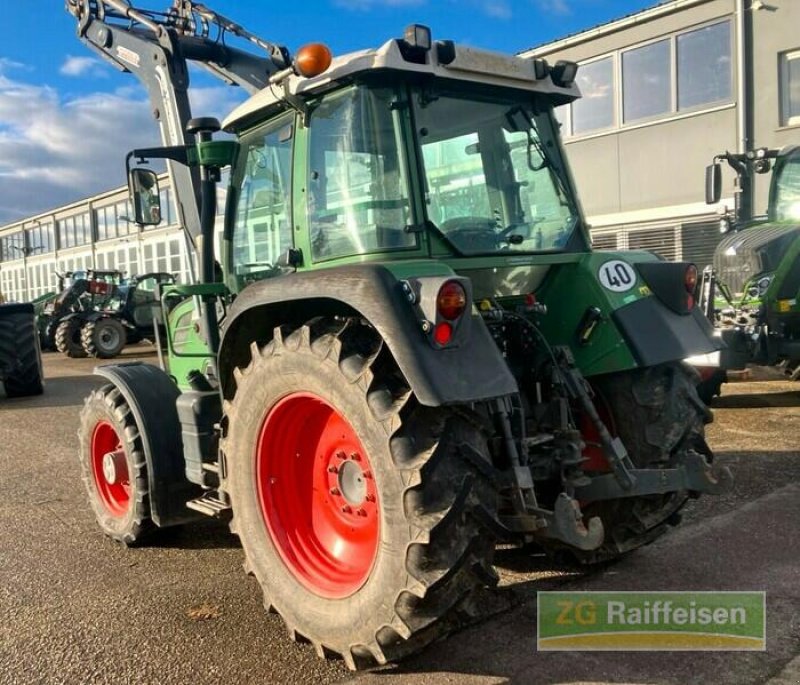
x,y
78,291
750,293
406,350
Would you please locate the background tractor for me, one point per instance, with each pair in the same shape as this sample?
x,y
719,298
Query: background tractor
x,y
750,293
127,318
78,291
99,312
405,351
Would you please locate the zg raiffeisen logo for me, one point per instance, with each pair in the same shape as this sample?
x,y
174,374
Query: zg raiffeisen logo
x,y
621,621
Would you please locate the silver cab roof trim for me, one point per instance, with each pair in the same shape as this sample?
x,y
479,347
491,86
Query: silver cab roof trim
x,y
470,64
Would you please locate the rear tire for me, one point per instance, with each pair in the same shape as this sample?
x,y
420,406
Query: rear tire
x,y
659,417
428,504
104,338
20,354
68,338
121,502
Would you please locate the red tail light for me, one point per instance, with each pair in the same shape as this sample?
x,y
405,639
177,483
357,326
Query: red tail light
x,y
443,332
690,278
451,301
690,283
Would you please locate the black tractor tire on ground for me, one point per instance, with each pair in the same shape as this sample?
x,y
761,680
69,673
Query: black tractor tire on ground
x,y
103,338
659,417
711,387
435,495
68,338
121,507
20,353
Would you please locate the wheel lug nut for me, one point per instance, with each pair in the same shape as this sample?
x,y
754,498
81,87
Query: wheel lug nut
x,y
341,455
362,512
367,474
355,456
370,498
335,491
347,509
333,469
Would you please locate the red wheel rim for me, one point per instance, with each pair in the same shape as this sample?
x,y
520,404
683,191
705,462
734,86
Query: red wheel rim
x,y
110,470
318,495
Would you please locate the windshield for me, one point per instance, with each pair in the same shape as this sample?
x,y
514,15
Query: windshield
x,y
494,182
787,188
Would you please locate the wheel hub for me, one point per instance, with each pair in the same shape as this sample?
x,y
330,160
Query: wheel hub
x,y
114,466
352,483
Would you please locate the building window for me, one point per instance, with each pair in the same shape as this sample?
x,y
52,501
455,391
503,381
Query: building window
x,y
704,65
679,72
647,81
790,88
595,109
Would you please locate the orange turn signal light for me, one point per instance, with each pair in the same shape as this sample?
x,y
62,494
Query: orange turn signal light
x,y
312,59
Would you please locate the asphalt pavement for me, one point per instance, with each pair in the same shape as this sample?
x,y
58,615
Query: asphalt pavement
x,y
76,607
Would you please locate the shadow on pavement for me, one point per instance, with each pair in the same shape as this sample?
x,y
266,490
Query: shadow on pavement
x,y
210,534
789,398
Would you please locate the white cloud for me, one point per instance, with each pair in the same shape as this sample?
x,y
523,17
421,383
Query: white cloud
x,y
55,150
83,66
560,8
499,9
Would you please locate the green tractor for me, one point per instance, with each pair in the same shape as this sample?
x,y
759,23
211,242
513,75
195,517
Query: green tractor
x,y
750,293
406,351
78,291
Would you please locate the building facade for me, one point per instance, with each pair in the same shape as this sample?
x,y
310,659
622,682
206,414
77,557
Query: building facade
x,y
97,232
664,90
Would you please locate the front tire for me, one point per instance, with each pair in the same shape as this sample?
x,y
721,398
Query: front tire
x,y
365,517
104,338
113,466
68,338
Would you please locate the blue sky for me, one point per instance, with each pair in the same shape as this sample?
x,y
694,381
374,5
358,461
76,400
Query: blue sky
x,y
67,119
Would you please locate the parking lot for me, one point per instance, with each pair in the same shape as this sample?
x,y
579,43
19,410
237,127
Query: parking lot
x,y
78,608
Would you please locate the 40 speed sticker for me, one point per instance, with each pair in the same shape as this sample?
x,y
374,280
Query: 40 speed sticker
x,y
617,275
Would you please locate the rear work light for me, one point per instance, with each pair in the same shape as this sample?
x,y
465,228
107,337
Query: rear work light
x,y
451,300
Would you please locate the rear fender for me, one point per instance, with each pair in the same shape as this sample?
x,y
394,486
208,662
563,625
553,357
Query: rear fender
x,y
470,370
152,395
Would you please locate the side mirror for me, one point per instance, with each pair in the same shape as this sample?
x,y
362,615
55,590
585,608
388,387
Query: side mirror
x,y
713,183
146,199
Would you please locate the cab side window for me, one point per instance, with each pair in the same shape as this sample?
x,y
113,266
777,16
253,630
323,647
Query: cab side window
x,y
263,224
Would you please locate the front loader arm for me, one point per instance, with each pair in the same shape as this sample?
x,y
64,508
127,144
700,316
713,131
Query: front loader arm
x,y
157,48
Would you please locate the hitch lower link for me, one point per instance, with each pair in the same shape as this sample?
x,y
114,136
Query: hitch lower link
x,y
565,522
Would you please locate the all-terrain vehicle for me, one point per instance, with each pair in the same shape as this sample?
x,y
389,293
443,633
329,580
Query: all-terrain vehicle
x,y
126,319
750,293
411,354
20,357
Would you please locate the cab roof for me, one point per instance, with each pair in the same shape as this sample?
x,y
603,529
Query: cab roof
x,y
462,63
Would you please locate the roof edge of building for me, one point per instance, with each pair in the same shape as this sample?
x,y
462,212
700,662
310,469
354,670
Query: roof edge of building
x,y
645,15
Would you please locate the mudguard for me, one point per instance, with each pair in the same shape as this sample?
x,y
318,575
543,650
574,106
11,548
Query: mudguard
x,y
469,372
151,395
